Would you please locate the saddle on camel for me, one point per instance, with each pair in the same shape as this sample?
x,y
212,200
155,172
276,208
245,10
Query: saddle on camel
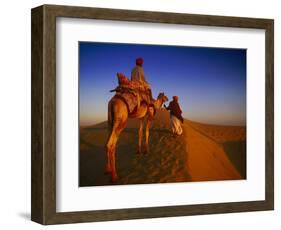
x,y
133,93
136,91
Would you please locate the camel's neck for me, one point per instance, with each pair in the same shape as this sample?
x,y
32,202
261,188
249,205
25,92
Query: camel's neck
x,y
158,103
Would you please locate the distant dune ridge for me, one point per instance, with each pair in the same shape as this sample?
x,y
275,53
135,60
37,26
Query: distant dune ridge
x,y
202,153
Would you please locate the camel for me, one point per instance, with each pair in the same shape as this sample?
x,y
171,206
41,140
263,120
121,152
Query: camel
x,y
118,115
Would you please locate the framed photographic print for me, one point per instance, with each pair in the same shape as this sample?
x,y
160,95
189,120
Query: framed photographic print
x,y
141,114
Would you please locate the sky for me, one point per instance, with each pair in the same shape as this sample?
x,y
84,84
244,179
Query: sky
x,y
210,82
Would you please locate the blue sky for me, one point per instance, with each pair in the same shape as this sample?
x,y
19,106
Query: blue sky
x,y
210,82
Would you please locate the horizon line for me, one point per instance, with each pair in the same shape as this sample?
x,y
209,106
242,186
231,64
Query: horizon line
x,y
201,122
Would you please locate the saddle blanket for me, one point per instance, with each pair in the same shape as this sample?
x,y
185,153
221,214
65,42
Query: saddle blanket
x,y
133,93
132,100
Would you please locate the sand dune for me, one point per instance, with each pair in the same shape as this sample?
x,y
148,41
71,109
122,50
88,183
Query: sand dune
x,y
220,133
198,155
207,159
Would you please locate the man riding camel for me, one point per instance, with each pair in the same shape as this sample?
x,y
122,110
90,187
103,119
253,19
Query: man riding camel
x,y
135,90
137,74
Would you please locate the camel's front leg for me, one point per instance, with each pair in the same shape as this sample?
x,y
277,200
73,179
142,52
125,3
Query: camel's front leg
x,y
140,137
148,125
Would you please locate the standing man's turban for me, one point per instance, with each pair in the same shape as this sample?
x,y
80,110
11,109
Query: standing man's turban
x,y
139,61
175,98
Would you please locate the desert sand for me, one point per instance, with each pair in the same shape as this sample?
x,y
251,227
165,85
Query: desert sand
x,y
203,153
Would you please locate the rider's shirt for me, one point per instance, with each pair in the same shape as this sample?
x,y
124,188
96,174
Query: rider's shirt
x,y
138,74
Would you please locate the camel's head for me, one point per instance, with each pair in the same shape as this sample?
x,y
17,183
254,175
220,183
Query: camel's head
x,y
162,97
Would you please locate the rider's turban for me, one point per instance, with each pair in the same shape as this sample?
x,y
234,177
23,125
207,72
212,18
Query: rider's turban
x,y
139,61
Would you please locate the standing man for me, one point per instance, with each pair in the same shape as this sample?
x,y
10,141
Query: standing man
x,y
175,115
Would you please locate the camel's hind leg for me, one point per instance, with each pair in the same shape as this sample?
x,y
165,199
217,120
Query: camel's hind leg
x,y
117,121
111,149
108,164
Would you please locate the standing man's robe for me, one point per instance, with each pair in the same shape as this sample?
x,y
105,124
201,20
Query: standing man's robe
x,y
176,117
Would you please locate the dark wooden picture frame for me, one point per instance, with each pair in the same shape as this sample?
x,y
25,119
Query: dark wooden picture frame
x,y
43,197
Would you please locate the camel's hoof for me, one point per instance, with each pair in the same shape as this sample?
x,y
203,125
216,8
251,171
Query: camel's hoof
x,y
107,170
114,179
146,151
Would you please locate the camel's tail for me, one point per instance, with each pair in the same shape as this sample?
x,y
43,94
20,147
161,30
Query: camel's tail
x,y
110,116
